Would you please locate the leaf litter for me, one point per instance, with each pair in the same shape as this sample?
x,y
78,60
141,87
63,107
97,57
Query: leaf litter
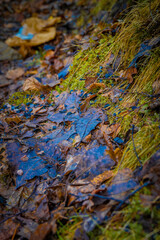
x,y
59,154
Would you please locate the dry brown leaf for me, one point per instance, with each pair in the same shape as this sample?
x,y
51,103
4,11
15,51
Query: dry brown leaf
x,y
87,139
84,106
7,229
96,85
14,74
42,30
129,72
108,140
107,129
58,64
15,42
89,81
68,60
116,129
32,84
14,119
156,86
41,232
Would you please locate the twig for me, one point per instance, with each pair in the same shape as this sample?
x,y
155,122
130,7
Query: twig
x,y
14,215
96,195
15,231
129,195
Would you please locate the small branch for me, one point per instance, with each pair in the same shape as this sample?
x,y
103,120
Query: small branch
x,y
126,198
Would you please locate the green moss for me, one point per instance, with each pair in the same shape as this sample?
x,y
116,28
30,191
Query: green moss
x,y
21,98
131,221
67,231
87,64
128,223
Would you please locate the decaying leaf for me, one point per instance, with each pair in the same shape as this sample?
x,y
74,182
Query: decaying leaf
x,y
14,119
102,177
32,84
94,86
113,94
89,81
129,72
41,231
7,229
49,54
122,183
14,74
86,102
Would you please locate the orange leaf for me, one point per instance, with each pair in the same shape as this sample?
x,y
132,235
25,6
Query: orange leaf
x,y
102,177
49,54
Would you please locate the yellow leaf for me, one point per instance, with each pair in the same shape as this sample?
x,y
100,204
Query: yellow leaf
x,y
42,30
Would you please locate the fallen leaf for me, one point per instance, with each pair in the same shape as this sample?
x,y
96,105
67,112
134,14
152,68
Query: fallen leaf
x,y
41,231
32,84
14,74
42,37
14,119
84,106
122,183
40,29
34,25
95,86
89,81
34,166
88,122
129,72
7,229
58,64
49,54
102,177
151,172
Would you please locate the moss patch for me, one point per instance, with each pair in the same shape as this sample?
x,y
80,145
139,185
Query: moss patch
x,y
21,98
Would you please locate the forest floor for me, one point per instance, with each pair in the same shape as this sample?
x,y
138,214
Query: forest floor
x,y
79,120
